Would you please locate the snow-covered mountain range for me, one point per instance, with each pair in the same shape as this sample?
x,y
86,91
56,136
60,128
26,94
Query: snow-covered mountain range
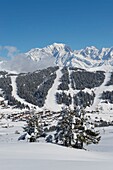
x,y
89,58
63,55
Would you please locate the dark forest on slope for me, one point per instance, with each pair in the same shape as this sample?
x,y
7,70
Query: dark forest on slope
x,y
34,87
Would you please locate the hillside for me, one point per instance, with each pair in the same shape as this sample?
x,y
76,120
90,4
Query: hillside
x,y
55,87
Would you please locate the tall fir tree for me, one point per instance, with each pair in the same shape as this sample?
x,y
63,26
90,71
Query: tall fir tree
x,y
64,132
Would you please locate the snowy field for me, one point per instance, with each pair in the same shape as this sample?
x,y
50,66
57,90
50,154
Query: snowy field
x,y
21,155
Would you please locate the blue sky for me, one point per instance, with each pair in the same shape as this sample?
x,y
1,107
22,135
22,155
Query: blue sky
x,y
27,24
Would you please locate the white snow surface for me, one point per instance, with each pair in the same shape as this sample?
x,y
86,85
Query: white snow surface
x,y
16,155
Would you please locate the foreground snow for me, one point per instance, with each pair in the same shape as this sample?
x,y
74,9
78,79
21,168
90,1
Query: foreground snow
x,y
50,157
27,156
16,155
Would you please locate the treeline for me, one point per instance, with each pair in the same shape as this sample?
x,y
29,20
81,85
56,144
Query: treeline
x,y
81,80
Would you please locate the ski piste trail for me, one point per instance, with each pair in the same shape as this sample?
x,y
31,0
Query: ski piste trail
x,y
99,90
50,102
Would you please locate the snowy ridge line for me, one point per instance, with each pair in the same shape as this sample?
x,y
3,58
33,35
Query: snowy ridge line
x,y
15,95
89,58
62,55
99,90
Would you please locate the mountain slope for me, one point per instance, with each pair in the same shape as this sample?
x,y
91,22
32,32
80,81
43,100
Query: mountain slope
x,y
56,87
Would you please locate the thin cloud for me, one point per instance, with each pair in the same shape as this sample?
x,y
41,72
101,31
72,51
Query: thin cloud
x,y
19,62
10,51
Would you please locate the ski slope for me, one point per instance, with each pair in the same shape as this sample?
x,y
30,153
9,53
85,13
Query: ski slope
x,y
50,102
99,90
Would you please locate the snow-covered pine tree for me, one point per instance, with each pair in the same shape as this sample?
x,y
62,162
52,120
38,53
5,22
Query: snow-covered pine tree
x,y
86,132
73,129
34,126
64,130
